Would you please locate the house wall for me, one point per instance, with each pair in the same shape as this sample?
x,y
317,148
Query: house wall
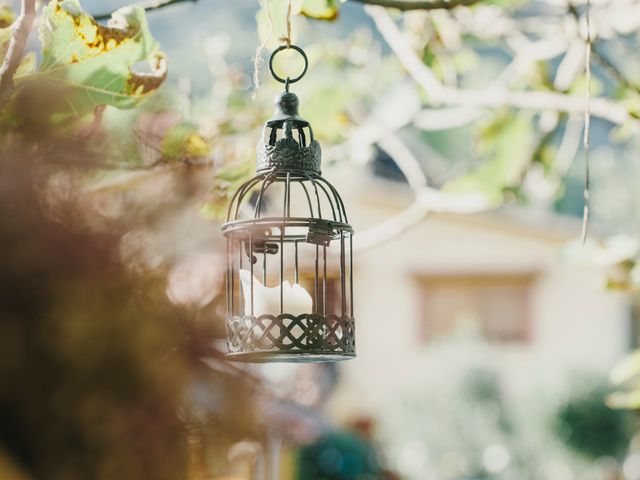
x,y
575,326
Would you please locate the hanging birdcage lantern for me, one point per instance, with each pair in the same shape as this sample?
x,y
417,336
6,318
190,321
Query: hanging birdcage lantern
x,y
289,280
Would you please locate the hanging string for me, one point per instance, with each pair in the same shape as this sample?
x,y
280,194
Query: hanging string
x,y
587,124
287,39
257,58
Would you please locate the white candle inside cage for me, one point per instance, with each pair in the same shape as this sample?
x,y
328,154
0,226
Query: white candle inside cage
x,y
266,300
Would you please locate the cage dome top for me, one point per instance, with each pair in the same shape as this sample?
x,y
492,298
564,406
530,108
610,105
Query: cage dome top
x,y
287,143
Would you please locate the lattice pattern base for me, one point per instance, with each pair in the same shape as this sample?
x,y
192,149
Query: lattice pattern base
x,y
314,334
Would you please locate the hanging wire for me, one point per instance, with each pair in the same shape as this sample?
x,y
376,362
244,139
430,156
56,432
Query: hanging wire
x,y
257,57
287,39
587,125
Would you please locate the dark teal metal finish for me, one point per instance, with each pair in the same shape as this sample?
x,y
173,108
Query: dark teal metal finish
x,y
285,225
288,142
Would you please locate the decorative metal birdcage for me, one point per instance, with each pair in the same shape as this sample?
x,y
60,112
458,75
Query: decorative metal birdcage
x,y
289,280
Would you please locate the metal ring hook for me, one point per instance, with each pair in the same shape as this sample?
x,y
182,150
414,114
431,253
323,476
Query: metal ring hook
x,y
288,80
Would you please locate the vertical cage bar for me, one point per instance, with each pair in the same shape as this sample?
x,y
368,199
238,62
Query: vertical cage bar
x,y
317,298
240,286
232,261
251,267
264,267
343,275
337,197
287,196
265,184
351,273
282,228
315,189
228,285
282,269
306,192
296,260
240,194
324,279
328,197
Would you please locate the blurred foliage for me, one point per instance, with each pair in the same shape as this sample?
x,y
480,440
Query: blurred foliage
x,y
591,427
226,184
456,417
99,368
320,9
338,456
506,144
102,371
626,378
183,141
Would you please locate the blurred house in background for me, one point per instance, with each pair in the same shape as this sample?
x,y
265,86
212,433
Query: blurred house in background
x,y
496,277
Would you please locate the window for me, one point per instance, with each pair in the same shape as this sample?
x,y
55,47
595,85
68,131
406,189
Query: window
x,y
496,306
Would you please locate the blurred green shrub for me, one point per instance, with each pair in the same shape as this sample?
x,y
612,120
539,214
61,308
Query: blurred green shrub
x,y
592,428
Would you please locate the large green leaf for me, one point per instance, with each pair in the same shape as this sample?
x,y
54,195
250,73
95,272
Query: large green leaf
x,y
117,65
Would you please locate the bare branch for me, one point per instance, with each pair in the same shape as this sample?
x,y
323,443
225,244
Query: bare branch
x,y
147,5
438,119
427,199
438,94
390,228
406,5
612,69
422,74
406,162
18,44
607,65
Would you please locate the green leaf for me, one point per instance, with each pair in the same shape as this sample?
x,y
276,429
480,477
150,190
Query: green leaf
x,y
624,400
7,16
6,19
506,144
183,141
28,64
627,369
327,10
227,181
118,65
235,173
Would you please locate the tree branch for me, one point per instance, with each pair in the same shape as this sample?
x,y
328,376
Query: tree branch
x,y
406,5
612,69
427,199
608,66
147,5
439,94
18,44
